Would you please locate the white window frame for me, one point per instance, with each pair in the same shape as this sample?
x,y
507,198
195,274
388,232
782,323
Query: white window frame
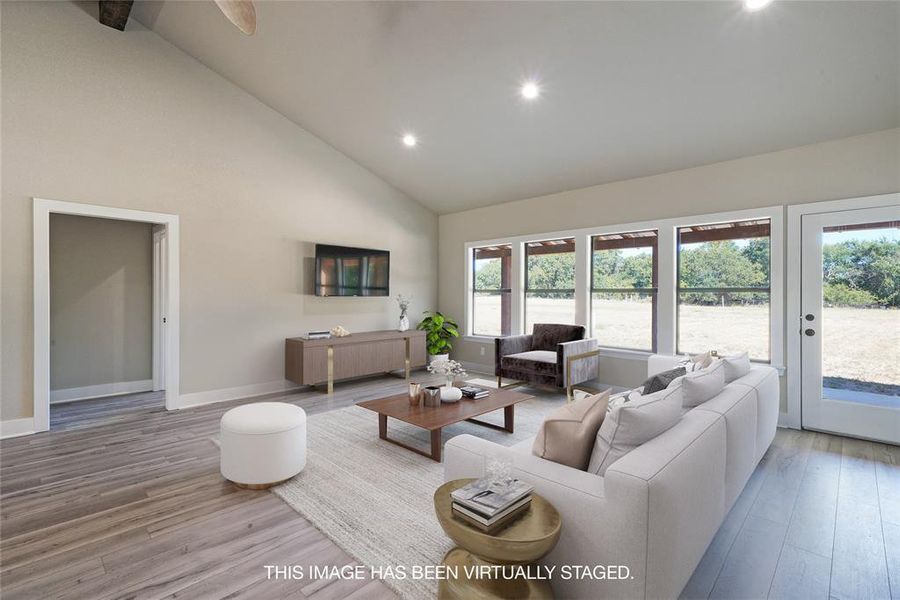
x,y
523,268
667,256
627,352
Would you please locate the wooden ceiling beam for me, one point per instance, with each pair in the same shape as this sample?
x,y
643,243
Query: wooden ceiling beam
x,y
114,13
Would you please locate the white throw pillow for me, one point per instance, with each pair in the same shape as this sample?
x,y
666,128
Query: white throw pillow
x,y
736,366
630,424
700,386
697,361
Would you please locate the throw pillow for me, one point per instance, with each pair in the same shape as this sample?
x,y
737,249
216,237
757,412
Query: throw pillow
x,y
698,361
700,386
661,381
736,366
630,424
567,434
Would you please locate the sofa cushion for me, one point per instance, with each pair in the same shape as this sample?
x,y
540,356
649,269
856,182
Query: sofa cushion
x,y
533,361
631,423
700,386
737,404
547,336
567,434
736,366
661,381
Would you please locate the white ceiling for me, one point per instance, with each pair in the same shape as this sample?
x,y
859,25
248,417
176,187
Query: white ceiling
x,y
627,88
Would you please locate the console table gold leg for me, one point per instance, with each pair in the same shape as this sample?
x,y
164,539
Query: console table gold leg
x,y
407,359
330,370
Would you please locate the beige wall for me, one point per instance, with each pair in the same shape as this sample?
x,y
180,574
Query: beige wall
x,y
853,167
93,115
101,301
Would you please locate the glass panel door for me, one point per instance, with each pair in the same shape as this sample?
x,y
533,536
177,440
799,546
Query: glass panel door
x,y
850,326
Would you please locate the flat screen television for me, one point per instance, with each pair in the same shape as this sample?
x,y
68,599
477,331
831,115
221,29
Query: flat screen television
x,y
343,271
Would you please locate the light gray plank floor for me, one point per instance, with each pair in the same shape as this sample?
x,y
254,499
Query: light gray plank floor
x,y
122,499
818,519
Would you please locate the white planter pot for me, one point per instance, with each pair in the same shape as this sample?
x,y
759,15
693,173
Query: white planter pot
x,y
432,358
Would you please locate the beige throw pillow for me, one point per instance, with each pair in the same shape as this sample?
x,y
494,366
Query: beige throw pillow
x,y
567,434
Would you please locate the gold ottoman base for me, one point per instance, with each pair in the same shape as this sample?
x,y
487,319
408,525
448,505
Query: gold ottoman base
x,y
258,486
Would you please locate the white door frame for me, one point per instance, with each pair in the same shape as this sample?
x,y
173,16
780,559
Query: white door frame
x,y
43,208
160,306
794,311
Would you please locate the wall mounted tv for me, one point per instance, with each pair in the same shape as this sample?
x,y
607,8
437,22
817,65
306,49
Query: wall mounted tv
x,y
343,271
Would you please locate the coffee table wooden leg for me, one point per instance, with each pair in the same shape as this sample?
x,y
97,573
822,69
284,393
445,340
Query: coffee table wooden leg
x,y
436,444
382,426
509,417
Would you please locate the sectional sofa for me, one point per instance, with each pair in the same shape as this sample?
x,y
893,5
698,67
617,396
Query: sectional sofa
x,y
658,507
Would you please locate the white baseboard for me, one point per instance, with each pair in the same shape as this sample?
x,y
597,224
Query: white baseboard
x,y
16,427
235,393
98,391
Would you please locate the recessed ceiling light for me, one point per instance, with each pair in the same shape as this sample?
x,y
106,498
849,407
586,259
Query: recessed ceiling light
x,y
530,90
754,5
409,140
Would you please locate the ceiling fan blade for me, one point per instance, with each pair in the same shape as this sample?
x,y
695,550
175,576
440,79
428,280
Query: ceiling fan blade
x,y
241,13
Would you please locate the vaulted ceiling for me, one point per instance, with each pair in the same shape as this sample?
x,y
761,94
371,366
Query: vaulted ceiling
x,y
627,88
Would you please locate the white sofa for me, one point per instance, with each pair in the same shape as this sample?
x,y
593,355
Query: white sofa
x,y
658,507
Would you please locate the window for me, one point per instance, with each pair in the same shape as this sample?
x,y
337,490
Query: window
x,y
723,288
624,290
549,282
491,290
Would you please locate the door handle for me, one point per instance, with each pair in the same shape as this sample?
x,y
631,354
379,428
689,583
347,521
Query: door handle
x,y
809,332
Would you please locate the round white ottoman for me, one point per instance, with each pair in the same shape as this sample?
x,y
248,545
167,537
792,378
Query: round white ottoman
x,y
262,444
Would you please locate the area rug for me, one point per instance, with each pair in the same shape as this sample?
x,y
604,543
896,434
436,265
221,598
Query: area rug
x,y
374,499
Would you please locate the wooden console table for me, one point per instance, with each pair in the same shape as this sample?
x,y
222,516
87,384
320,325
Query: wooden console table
x,y
313,362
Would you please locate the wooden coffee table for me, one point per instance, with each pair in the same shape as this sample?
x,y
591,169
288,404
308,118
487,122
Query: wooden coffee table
x,y
434,418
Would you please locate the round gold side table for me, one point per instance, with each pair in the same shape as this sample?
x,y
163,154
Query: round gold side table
x,y
524,541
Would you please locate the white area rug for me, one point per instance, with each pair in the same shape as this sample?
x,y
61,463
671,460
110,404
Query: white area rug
x,y
373,498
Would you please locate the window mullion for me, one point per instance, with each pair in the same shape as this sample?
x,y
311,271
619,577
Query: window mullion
x,y
517,298
666,283
583,282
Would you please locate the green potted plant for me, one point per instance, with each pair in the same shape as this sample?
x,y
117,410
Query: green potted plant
x,y
439,330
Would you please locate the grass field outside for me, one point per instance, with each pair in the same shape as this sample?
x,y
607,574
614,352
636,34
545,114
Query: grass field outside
x,y
861,346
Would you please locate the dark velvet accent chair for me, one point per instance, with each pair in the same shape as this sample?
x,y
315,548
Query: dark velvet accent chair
x,y
553,355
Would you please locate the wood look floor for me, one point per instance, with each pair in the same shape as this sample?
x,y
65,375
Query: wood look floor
x,y
819,518
122,499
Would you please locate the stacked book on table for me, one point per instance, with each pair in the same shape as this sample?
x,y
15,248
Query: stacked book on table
x,y
489,506
474,393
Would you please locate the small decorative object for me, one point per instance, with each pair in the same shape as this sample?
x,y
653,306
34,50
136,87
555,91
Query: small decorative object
x,y
415,391
450,394
403,303
339,331
450,369
499,471
431,395
439,331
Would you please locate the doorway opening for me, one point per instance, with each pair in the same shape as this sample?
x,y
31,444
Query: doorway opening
x,y
107,314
